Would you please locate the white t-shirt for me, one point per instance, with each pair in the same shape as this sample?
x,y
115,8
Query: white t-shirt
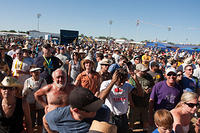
x,y
30,87
23,65
117,99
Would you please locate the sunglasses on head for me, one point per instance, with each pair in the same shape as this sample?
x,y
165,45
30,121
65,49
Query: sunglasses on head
x,y
171,74
8,88
191,105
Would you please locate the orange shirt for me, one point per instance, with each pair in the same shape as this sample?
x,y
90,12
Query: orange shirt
x,y
91,81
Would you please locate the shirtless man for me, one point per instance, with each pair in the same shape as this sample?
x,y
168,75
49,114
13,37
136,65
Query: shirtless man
x,y
57,93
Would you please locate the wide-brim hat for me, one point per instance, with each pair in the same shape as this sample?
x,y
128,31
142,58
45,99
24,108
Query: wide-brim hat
x,y
105,62
81,51
102,127
141,67
9,81
35,69
87,58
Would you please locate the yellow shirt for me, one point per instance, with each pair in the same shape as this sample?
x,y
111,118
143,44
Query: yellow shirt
x,y
146,60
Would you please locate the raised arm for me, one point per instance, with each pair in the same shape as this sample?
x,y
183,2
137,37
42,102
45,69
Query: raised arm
x,y
104,93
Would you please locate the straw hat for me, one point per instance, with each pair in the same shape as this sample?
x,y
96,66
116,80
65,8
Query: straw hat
x,y
102,127
105,62
87,58
81,51
9,81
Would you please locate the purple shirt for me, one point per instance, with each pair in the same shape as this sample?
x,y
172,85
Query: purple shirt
x,y
165,97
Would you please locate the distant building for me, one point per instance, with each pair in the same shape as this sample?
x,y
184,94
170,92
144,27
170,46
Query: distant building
x,y
43,35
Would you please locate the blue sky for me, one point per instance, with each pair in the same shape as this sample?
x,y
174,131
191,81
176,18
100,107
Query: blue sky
x,y
91,17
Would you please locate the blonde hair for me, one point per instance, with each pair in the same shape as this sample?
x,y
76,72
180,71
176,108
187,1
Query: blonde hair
x,y
187,96
163,118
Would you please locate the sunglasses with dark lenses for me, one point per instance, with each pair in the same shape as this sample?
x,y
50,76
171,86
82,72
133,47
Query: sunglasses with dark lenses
x,y
171,74
191,105
179,74
7,88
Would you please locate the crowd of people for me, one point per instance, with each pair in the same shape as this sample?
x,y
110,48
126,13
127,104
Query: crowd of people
x,y
46,87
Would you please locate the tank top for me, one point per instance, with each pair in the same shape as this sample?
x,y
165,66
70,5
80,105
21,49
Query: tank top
x,y
13,124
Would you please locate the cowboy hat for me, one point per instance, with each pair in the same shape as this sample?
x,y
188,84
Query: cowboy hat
x,y
102,127
87,58
9,81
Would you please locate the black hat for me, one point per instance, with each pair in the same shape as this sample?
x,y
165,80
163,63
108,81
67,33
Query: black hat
x,y
84,99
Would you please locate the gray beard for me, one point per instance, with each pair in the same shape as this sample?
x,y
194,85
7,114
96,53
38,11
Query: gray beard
x,y
60,85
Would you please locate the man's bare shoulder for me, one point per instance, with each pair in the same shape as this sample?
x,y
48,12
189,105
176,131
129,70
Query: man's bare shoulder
x,y
47,87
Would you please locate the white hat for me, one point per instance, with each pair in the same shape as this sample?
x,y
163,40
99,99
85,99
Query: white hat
x,y
89,57
105,62
171,69
35,69
141,67
81,51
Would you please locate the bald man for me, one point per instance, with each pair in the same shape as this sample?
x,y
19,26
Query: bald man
x,y
56,93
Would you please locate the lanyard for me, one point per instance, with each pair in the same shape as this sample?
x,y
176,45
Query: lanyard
x,y
48,62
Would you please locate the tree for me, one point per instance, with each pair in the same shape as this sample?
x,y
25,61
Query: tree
x,y
102,37
12,31
123,38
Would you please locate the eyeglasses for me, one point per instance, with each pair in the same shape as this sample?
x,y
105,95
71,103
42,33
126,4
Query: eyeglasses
x,y
171,74
7,88
191,105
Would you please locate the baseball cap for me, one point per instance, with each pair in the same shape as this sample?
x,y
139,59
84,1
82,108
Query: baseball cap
x,y
84,99
170,70
141,67
35,69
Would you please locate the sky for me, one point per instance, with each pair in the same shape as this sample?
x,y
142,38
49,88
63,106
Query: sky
x,y
91,18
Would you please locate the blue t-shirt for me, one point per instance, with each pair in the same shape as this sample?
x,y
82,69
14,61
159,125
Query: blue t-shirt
x,y
60,120
156,131
190,85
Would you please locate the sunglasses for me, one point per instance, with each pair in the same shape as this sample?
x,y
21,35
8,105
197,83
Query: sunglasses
x,y
171,74
19,53
189,69
191,105
179,74
8,88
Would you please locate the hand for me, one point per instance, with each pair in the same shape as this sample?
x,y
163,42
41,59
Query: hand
x,y
19,71
46,109
198,122
115,76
